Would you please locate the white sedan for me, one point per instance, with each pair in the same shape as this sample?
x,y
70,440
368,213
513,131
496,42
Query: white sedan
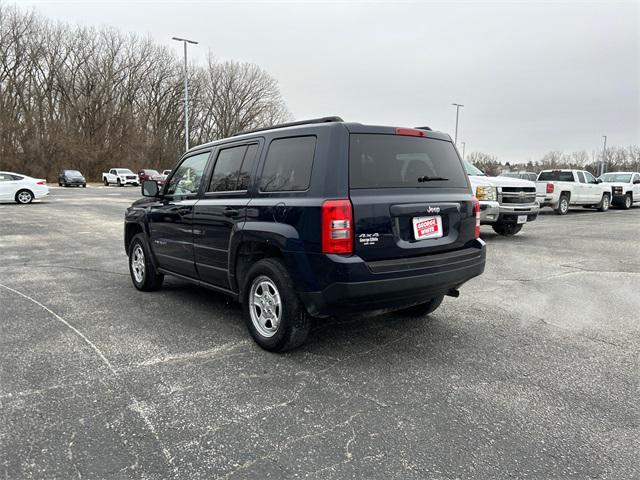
x,y
21,188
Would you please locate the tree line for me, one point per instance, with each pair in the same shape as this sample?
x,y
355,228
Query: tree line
x,y
95,98
615,159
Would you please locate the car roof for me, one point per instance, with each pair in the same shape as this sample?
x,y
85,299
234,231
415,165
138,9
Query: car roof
x,y
315,126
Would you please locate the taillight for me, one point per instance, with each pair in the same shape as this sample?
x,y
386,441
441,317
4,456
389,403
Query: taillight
x,y
550,187
337,227
476,210
412,132
41,182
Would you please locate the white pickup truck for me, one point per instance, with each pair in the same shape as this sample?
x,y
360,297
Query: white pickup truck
x,y
560,189
505,203
625,188
120,176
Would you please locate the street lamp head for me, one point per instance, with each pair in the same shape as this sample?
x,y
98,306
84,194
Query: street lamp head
x,y
184,40
457,105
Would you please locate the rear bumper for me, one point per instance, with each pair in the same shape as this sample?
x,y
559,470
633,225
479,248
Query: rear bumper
x,y
394,284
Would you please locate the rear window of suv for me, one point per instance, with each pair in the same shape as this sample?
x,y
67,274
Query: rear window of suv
x,y
397,161
556,176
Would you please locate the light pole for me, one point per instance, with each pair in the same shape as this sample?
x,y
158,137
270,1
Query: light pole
x,y
604,152
457,105
186,90
464,145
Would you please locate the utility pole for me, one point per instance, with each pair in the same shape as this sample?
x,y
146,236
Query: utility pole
x,y
457,105
604,152
186,90
464,145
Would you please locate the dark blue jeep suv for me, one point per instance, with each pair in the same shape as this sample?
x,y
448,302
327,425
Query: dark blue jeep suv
x,y
312,219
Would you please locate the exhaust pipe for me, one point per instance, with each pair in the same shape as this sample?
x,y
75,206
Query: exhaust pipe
x,y
454,292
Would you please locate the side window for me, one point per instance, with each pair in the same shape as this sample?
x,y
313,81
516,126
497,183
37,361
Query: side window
x,y
581,177
112,172
590,178
636,177
227,169
247,166
187,177
288,164
5,177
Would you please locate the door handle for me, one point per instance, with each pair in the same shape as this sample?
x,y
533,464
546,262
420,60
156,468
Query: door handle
x,y
231,212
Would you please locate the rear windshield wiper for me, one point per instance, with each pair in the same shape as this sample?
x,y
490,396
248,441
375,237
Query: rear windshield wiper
x,y
426,178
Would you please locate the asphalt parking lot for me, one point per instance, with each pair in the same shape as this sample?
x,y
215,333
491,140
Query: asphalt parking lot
x,y
533,372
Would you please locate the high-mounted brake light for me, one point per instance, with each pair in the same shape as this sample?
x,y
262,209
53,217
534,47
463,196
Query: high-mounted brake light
x,y
550,187
412,132
41,182
476,210
337,227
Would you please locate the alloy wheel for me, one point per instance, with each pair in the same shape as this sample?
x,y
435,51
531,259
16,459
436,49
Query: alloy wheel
x,y
265,306
137,263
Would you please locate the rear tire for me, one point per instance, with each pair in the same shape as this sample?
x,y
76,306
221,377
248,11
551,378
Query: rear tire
x,y
423,309
276,318
24,197
106,182
603,206
506,229
143,273
563,205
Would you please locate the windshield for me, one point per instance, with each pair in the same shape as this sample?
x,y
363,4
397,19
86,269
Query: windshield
x,y
151,172
73,173
124,170
472,170
510,174
617,177
399,161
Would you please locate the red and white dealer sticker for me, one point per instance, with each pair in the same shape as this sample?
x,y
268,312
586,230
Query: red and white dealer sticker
x,y
427,227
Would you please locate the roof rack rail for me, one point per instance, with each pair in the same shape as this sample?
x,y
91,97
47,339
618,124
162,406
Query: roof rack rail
x,y
424,128
292,124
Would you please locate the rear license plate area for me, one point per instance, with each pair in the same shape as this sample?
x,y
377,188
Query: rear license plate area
x,y
427,227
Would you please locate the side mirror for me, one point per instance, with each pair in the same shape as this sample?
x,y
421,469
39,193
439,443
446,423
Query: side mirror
x,y
636,181
598,180
150,188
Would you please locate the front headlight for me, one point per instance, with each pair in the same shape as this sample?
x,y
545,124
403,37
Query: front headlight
x,y
486,193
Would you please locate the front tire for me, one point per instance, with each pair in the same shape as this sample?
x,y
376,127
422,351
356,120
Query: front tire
x,y
603,206
119,183
628,201
423,309
143,273
506,229
276,318
563,205
24,197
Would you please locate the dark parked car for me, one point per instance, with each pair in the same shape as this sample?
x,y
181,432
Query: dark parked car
x,y
146,174
71,178
312,219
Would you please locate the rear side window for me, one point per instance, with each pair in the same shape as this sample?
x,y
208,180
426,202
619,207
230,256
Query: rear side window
x,y
397,161
581,177
288,164
556,176
232,169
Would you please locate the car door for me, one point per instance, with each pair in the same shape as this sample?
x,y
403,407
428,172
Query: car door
x,y
636,187
222,210
171,218
7,186
593,190
580,191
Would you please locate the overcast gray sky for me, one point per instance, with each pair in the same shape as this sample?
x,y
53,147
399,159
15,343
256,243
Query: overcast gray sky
x,y
533,76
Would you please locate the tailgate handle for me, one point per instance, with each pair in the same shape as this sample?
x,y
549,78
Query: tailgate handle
x,y
421,208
